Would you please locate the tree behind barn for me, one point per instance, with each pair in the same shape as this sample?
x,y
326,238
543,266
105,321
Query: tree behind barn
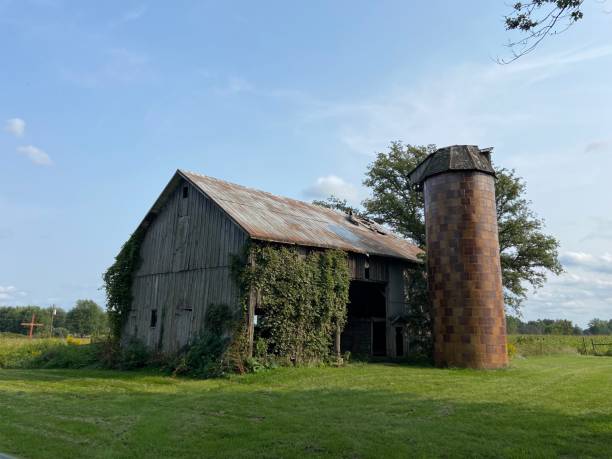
x,y
527,253
87,318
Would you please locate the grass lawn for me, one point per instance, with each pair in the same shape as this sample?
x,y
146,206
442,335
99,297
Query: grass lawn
x,y
541,407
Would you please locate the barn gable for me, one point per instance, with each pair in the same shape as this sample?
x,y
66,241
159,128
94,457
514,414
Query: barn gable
x,y
186,265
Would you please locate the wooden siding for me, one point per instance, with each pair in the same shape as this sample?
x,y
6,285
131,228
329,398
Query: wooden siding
x,y
396,302
186,265
378,267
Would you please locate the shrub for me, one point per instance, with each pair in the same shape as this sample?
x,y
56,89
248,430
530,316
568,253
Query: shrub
x,y
20,352
77,341
511,349
134,355
210,354
60,332
67,356
204,359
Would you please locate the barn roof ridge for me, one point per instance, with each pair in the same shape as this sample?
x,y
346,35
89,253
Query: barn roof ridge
x,y
268,217
257,190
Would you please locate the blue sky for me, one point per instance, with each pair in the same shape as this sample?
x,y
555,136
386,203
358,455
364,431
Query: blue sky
x,y
101,101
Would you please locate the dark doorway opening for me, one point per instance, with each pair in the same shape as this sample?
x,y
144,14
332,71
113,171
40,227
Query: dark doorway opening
x,y
367,299
399,341
365,330
379,338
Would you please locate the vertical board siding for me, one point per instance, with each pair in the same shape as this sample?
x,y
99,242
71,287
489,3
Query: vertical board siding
x,y
186,266
378,267
396,288
396,302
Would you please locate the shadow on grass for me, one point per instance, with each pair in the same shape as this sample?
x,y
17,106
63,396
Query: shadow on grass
x,y
287,421
58,374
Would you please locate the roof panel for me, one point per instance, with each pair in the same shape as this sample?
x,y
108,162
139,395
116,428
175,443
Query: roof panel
x,y
274,218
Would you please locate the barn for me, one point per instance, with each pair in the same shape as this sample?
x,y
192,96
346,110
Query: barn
x,y
199,224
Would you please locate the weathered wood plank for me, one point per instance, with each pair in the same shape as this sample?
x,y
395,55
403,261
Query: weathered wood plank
x,y
185,264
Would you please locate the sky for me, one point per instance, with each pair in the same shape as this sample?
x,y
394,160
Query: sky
x,y
100,102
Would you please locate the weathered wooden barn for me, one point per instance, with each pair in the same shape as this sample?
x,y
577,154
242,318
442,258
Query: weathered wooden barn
x,y
199,223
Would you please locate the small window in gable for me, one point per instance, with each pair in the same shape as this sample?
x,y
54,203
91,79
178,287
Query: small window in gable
x,y
185,191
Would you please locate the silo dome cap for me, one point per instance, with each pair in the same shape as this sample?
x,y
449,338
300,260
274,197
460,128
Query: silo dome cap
x,y
452,158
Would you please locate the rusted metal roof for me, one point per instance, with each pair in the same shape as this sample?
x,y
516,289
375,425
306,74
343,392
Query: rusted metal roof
x,y
453,158
267,217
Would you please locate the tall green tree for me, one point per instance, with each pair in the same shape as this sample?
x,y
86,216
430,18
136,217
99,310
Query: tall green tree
x,y
394,201
87,318
599,327
527,252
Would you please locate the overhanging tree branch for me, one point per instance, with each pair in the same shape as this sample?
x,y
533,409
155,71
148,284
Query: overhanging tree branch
x,y
526,18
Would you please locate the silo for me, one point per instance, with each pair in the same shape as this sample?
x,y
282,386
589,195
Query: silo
x,y
464,270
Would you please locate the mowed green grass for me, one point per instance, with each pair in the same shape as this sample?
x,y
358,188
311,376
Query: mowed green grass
x,y
540,407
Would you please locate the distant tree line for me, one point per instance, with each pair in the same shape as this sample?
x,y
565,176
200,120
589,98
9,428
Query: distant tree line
x,y
87,318
516,326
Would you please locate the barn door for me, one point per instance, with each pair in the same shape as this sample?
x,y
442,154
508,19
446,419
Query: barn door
x,y
183,326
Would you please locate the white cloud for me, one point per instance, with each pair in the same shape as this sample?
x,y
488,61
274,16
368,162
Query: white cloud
x,y
15,126
235,85
580,294
470,103
602,231
10,294
332,185
556,61
575,297
130,15
134,14
599,263
118,65
6,292
597,146
36,155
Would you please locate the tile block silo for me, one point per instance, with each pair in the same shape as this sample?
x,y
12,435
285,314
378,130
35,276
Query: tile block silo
x,y
464,270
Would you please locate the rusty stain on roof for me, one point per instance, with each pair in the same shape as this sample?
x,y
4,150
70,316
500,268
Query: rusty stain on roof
x,y
268,217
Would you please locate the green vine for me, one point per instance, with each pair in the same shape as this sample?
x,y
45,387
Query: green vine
x,y
118,280
210,354
419,319
303,300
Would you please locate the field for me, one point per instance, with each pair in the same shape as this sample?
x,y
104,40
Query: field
x,y
541,407
17,351
529,345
